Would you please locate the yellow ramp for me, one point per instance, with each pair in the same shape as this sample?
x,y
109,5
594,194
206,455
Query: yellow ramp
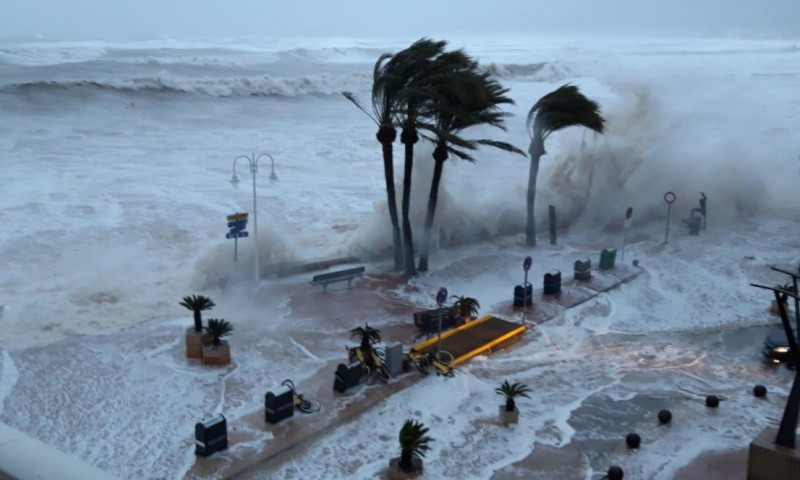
x,y
474,338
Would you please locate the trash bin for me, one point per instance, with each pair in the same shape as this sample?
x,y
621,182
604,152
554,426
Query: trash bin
x,y
279,405
583,269
695,222
607,258
523,296
552,282
211,436
347,376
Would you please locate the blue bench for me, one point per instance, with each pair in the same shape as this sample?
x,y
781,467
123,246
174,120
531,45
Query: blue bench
x,y
325,278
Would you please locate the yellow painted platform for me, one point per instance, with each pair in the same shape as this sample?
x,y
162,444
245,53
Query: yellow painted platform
x,y
474,338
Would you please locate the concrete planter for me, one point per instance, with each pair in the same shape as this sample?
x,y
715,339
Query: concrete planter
x,y
768,461
194,343
217,354
506,417
396,473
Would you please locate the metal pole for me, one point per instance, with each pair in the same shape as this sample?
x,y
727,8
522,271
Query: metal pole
x,y
624,237
235,247
666,234
254,170
439,342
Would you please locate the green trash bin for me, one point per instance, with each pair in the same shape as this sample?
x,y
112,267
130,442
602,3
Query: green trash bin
x,y
607,258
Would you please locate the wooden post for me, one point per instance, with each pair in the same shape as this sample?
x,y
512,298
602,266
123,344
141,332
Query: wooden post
x,y
552,210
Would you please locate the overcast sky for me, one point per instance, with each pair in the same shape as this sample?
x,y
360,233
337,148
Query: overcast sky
x,y
368,18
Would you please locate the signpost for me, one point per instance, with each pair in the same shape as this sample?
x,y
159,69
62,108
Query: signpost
x,y
441,299
526,265
628,216
669,197
236,225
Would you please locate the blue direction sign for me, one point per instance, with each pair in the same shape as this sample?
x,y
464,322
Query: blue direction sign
x,y
526,265
441,296
236,225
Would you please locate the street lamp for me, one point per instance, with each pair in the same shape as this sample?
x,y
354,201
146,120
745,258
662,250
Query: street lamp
x,y
253,160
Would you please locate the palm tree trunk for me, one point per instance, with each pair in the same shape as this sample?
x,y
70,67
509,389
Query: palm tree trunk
x,y
408,137
405,460
536,151
439,156
198,321
386,135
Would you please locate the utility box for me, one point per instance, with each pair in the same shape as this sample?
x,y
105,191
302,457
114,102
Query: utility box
x,y
607,258
279,405
394,359
347,376
583,270
523,296
552,282
211,436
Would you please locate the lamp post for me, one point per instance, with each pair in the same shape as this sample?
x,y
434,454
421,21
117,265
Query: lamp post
x,y
253,160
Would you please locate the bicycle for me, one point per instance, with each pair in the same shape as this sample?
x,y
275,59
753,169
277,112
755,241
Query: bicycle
x,y
371,363
299,402
440,360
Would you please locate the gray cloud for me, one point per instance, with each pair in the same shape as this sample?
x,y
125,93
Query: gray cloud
x,y
409,18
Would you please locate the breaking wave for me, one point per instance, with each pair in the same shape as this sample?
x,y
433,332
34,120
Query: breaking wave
x,y
543,71
265,85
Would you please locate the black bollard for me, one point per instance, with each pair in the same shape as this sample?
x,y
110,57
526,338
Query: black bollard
x,y
712,401
760,391
552,283
635,263
664,416
633,440
615,473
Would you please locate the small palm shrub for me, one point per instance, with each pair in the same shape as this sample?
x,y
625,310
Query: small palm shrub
x,y
512,391
414,442
367,336
466,307
197,304
218,328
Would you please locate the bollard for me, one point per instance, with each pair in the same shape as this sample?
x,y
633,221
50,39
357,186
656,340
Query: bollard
x,y
607,258
664,417
211,436
394,359
615,473
712,401
279,405
583,269
523,296
552,282
633,440
347,376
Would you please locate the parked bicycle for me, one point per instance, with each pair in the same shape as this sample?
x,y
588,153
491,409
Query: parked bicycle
x,y
372,362
441,361
300,402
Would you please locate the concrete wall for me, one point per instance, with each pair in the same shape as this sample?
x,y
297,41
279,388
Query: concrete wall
x,y
22,457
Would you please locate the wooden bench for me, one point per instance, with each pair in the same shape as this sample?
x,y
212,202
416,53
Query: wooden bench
x,y
325,278
428,320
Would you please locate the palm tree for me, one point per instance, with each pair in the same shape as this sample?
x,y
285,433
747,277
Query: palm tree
x,y
512,391
414,97
367,336
564,107
386,84
198,304
414,442
466,307
464,98
218,328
